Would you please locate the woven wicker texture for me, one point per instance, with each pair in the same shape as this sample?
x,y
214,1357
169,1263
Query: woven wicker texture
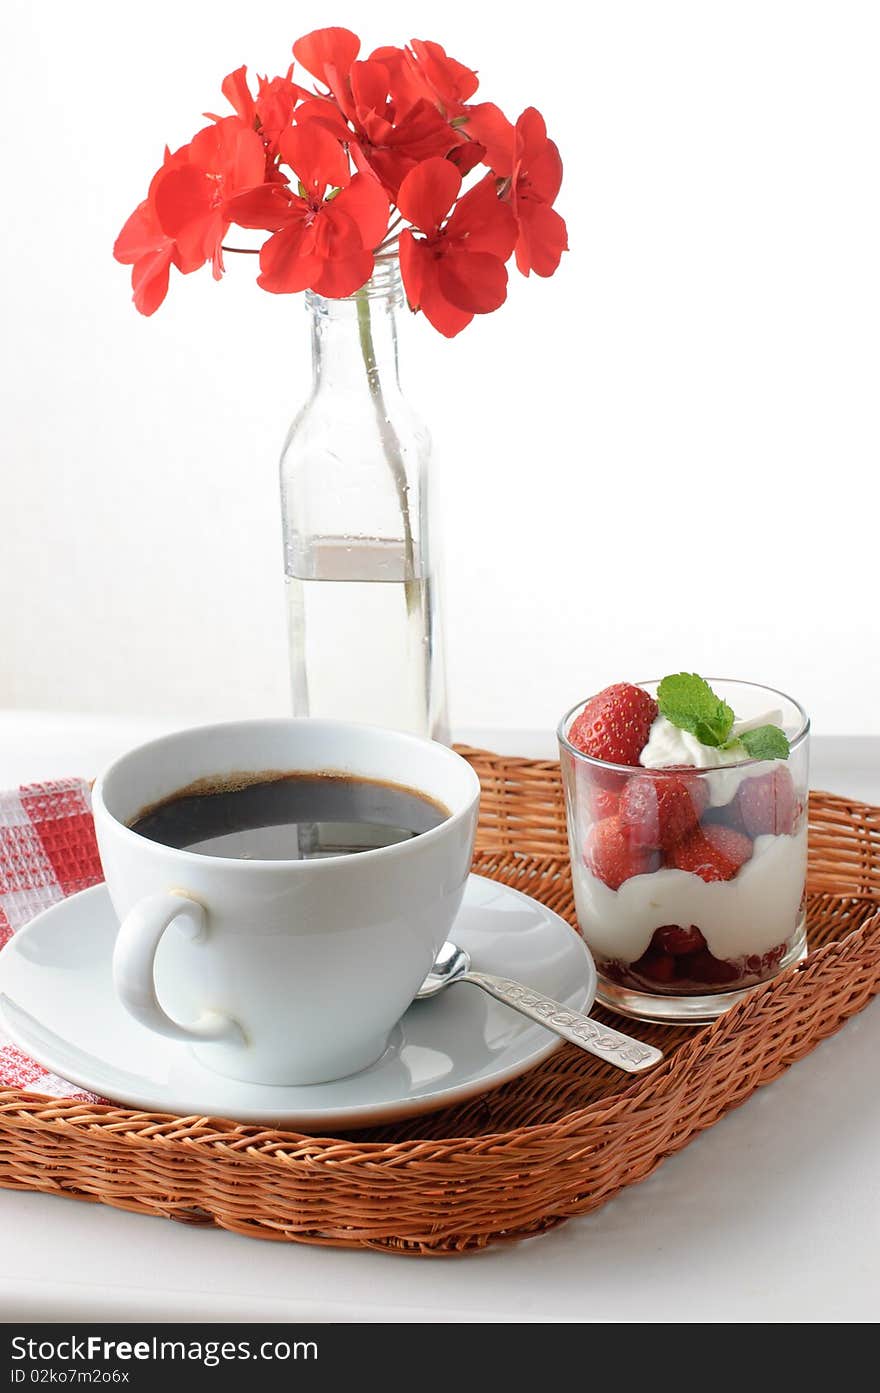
x,y
557,1142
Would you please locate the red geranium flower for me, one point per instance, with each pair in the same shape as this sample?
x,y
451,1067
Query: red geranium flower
x,y
189,197
524,155
398,128
425,70
537,176
325,235
456,269
390,132
389,144
271,111
150,252
181,222
144,245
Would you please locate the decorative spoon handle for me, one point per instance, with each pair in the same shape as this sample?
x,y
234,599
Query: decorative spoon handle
x,y
631,1055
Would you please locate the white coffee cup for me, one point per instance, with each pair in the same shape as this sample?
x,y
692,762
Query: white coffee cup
x,y
281,972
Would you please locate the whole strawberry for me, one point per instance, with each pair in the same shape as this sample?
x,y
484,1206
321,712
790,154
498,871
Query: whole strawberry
x,y
603,802
598,790
713,853
610,855
614,725
659,809
768,803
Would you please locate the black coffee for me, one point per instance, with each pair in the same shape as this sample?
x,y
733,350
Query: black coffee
x,y
286,816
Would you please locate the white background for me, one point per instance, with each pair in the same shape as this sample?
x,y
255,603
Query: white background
x,y
664,457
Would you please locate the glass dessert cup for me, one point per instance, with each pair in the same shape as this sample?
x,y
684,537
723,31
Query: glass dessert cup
x,y
689,881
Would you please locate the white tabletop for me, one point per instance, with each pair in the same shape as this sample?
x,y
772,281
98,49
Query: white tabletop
x,y
772,1215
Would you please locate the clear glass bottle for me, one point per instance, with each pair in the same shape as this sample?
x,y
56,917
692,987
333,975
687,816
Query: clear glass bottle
x,y
360,562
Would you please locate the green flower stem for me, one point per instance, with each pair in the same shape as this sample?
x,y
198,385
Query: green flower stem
x,y
390,443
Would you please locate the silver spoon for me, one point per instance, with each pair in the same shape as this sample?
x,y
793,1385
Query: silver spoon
x,y
453,964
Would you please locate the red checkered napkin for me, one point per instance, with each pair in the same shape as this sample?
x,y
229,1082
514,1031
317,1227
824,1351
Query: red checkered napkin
x,y
47,852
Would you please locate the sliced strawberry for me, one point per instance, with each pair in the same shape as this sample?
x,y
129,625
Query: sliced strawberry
x,y
612,968
763,964
603,802
713,853
614,725
674,939
656,966
659,809
611,856
768,803
715,972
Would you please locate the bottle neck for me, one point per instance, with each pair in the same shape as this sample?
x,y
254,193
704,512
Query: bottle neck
x,y
354,340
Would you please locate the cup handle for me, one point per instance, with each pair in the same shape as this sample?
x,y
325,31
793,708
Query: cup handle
x,y
133,969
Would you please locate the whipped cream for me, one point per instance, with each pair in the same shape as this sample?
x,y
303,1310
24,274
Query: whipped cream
x,y
669,744
751,913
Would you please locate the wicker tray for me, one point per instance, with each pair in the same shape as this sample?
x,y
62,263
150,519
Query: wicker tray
x,y
557,1142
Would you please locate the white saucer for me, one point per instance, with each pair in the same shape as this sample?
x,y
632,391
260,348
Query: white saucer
x,y
57,1003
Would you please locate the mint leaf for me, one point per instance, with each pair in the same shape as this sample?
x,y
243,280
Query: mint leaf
x,y
687,701
765,742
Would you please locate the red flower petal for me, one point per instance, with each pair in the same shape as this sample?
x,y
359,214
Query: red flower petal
x,y
337,236
181,196
423,133
286,262
231,150
428,192
338,278
388,166
236,91
446,318
531,133
275,105
486,222
369,86
271,206
488,124
140,236
467,156
376,131
545,174
418,267
184,201
451,82
149,280
472,281
414,257
325,49
367,203
537,158
213,243
407,83
323,111
188,191
542,239
315,156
